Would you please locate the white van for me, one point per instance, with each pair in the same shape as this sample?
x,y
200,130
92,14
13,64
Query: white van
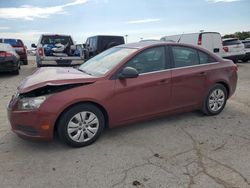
x,y
212,41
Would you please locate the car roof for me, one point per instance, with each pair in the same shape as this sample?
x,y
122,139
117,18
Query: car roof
x,y
143,44
55,35
148,44
105,36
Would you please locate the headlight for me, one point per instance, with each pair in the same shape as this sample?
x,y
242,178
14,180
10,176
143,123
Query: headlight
x,y
31,103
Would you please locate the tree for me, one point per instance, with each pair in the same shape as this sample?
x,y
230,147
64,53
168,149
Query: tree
x,y
240,35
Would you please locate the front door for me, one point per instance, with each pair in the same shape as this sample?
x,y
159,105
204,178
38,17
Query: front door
x,y
148,94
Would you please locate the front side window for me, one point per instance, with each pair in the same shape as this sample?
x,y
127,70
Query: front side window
x,y
150,60
184,56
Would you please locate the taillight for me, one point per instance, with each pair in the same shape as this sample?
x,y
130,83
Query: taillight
x,y
225,48
24,50
200,40
40,51
8,54
236,68
2,54
5,54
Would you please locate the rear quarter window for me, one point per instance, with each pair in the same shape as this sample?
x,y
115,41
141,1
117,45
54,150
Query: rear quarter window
x,y
184,56
205,58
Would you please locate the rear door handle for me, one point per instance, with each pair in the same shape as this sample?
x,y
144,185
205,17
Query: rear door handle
x,y
163,81
202,73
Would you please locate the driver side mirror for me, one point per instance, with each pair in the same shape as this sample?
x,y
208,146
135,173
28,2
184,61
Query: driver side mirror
x,y
128,72
33,45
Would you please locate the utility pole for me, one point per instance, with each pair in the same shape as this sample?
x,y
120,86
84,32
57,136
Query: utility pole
x,y
126,38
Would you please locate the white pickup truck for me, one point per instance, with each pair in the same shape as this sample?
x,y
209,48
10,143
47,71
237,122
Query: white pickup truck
x,y
58,50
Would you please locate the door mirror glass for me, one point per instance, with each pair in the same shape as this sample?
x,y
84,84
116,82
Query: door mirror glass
x,y
128,72
33,45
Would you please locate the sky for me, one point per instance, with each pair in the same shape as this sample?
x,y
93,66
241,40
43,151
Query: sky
x,y
147,19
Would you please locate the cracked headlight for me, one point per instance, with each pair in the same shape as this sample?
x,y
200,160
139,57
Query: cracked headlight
x,y
31,103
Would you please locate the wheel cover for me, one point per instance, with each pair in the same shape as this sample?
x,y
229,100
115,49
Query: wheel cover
x,y
216,100
83,126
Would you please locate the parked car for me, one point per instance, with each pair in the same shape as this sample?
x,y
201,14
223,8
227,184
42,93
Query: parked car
x,y
57,50
19,47
212,41
247,50
124,84
9,59
97,44
234,49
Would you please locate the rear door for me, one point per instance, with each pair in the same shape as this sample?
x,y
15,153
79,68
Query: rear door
x,y
217,44
188,77
148,94
207,41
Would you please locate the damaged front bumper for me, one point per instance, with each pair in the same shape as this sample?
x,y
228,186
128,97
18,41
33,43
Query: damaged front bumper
x,y
35,124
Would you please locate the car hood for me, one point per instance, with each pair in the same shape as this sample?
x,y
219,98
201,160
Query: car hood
x,y
52,76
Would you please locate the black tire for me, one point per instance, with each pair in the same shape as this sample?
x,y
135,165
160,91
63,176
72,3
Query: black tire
x,y
67,116
25,62
16,72
245,59
206,109
235,61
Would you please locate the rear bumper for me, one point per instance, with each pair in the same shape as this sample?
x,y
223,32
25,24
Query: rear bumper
x,y
8,66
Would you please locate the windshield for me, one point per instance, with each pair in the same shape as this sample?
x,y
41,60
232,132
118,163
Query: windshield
x,y
105,61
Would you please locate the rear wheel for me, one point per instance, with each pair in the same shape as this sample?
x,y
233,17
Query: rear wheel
x,y
81,125
245,59
215,100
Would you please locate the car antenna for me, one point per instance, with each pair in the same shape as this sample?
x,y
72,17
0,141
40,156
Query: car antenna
x,y
179,38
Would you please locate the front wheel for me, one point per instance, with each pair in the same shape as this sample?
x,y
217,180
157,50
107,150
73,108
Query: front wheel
x,y
215,100
81,125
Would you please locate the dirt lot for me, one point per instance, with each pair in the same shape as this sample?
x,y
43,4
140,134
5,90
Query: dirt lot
x,y
187,150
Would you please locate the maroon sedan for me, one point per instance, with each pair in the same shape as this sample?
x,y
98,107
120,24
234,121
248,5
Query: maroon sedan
x,y
124,84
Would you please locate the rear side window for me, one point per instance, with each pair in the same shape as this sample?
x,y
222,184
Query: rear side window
x,y
231,42
150,60
56,39
184,56
105,42
205,58
246,44
13,42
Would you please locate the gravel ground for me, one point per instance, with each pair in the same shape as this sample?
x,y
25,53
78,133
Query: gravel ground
x,y
187,150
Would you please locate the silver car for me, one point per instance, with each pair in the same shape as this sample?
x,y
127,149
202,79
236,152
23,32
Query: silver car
x,y
9,59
